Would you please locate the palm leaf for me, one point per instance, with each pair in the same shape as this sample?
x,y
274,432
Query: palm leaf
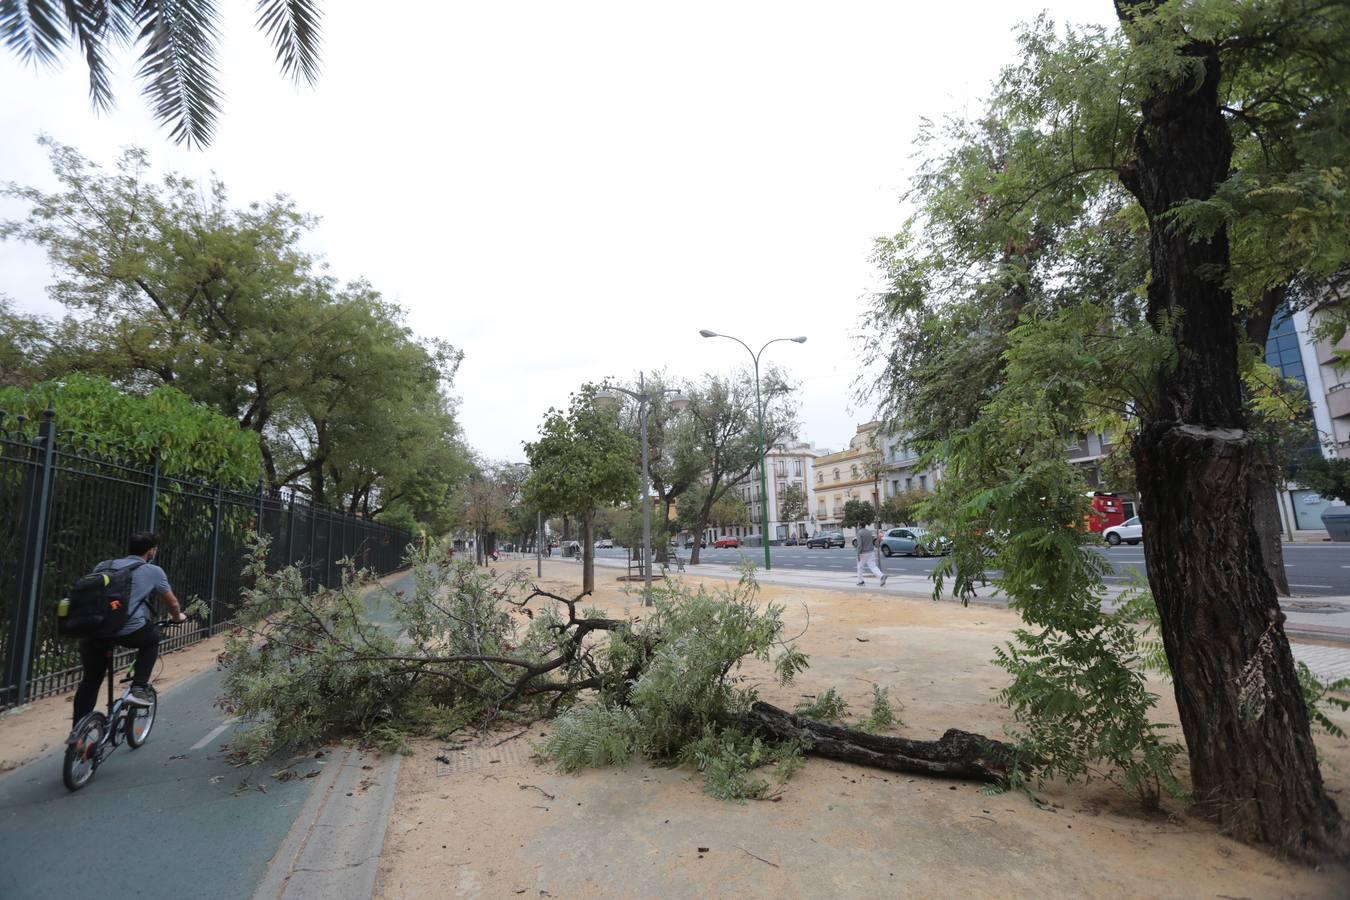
x,y
33,29
293,27
178,65
92,23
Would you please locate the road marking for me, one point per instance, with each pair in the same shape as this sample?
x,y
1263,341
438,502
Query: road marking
x,y
1323,585
214,733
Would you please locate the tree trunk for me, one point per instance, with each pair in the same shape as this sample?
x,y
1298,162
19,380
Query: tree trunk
x,y
958,754
1267,478
587,554
1253,765
1264,485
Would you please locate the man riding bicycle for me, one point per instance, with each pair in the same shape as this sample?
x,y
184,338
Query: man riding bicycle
x,y
139,633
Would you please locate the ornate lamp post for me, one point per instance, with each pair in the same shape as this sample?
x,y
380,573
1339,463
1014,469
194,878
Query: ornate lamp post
x,y
608,396
759,416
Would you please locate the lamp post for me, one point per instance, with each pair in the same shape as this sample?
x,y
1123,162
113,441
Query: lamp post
x,y
608,396
759,418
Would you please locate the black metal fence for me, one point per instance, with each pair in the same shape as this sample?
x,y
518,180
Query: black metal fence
x,y
67,503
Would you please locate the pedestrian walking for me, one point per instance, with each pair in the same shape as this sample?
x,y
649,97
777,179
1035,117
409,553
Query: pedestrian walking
x,y
867,555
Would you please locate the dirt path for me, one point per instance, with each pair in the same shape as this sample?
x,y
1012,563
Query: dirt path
x,y
494,822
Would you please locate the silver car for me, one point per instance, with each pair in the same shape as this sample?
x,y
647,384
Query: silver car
x,y
911,542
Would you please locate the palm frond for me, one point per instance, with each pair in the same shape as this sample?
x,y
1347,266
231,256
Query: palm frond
x,y
34,30
178,65
293,27
93,23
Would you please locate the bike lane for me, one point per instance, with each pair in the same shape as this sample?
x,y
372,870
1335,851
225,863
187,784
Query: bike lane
x,y
172,819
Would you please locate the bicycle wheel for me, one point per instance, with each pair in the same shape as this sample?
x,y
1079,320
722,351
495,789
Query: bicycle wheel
x,y
140,719
82,750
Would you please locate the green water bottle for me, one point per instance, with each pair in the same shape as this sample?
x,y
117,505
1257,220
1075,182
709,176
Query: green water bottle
x,y
63,607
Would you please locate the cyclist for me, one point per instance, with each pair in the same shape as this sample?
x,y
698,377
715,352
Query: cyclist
x,y
139,633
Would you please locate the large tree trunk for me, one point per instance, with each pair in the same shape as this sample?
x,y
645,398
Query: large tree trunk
x,y
1253,765
587,554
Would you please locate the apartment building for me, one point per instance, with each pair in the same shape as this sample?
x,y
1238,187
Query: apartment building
x,y
789,464
853,473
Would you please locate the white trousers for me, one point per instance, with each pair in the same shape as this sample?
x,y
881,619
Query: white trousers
x,y
868,560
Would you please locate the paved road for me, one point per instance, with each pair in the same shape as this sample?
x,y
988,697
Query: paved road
x,y
173,819
1314,569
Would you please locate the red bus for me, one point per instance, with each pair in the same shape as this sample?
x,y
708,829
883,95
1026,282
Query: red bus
x,y
1107,510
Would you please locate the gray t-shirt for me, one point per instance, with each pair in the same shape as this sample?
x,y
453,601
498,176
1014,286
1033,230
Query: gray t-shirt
x,y
147,580
866,541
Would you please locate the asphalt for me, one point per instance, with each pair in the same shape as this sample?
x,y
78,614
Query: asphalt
x,y
172,819
1314,570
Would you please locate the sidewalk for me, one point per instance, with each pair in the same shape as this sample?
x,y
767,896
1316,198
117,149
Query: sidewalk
x,y
1311,622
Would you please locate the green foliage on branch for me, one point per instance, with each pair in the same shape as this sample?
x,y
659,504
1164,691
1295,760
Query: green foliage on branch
x,y
190,439
1328,477
858,513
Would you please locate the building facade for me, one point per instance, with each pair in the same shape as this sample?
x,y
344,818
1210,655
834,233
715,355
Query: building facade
x,y
854,473
904,470
789,464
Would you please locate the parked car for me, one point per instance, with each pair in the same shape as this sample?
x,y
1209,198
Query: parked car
x,y
825,540
604,544
912,542
1129,532
689,543
726,543
790,542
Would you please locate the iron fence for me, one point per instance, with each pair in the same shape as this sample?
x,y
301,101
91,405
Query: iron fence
x,y
68,502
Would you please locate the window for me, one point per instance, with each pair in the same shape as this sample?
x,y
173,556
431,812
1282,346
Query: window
x,y
820,507
909,484
855,471
836,474
820,478
782,486
780,468
797,467
923,482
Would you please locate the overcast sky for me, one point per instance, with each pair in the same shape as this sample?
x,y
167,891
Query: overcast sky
x,y
568,191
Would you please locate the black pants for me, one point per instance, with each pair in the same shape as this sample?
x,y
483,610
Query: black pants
x,y
94,658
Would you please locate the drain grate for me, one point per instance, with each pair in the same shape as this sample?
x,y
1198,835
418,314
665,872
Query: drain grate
x,y
471,759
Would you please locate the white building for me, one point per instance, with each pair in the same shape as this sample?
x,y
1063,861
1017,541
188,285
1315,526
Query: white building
x,y
789,464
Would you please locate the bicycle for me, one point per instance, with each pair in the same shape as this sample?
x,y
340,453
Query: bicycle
x,y
96,736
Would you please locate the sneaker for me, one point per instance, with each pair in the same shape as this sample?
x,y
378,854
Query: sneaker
x,y
139,696
860,584
883,580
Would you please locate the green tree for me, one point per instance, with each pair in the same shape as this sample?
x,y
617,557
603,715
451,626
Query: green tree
x,y
171,285
723,432
189,439
582,461
903,508
858,513
792,506
730,511
1328,477
26,346
177,43
674,461
1101,242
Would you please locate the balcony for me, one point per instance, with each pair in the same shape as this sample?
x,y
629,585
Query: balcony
x,y
1326,350
1338,401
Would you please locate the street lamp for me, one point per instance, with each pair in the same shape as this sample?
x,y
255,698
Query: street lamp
x,y
608,396
759,416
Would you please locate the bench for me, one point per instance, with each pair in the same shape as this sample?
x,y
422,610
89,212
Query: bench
x,y
673,559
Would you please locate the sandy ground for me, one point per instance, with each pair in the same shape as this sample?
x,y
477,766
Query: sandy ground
x,y
495,822
27,732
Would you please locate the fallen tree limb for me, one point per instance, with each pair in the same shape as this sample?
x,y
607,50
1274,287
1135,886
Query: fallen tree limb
x,y
957,754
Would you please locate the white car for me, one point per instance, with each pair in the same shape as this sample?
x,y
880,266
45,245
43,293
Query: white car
x,y
1129,532
604,544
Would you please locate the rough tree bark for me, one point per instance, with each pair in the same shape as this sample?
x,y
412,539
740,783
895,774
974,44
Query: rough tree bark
x,y
587,554
1253,765
958,754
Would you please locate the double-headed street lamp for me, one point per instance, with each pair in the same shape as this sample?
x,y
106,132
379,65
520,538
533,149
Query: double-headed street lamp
x,y
759,415
608,396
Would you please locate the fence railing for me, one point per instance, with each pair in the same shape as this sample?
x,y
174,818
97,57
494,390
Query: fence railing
x,y
67,503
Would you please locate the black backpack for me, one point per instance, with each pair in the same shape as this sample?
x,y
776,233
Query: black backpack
x,y
99,604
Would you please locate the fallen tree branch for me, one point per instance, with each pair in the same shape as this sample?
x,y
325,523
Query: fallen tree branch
x,y
957,754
